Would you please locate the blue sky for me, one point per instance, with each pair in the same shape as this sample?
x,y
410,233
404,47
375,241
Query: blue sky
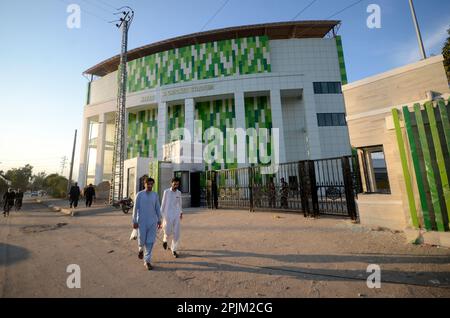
x,y
42,90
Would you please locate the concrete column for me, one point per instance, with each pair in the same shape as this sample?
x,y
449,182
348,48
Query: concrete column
x,y
239,107
82,172
277,121
189,109
100,148
313,146
189,116
162,128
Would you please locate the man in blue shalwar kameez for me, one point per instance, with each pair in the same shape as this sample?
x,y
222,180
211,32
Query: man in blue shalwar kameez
x,y
147,219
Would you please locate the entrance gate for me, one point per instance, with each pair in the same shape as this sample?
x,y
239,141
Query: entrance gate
x,y
313,187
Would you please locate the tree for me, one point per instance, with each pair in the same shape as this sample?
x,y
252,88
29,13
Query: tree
x,y
56,185
20,177
446,54
38,181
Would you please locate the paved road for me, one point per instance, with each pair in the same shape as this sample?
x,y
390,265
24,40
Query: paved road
x,y
224,254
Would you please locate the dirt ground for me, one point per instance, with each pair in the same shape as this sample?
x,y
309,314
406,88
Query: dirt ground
x,y
223,254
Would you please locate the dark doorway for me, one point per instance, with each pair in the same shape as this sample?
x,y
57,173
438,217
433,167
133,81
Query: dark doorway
x,y
195,189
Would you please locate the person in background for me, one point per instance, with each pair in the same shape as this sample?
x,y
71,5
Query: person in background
x,y
272,193
18,199
284,194
89,195
74,195
8,199
215,194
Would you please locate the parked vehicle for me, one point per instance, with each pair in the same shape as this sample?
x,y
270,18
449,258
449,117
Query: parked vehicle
x,y
125,204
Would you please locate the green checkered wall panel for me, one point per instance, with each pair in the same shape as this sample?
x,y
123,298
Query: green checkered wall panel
x,y
341,60
199,62
143,134
220,114
258,114
175,115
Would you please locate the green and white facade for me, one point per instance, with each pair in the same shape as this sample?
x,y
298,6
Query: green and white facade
x,y
279,75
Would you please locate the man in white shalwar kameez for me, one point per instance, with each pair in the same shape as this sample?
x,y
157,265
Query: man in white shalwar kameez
x,y
147,220
172,215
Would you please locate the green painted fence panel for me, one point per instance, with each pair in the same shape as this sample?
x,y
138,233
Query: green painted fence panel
x,y
418,172
406,174
445,123
439,156
429,169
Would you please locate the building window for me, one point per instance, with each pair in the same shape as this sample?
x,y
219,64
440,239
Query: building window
x,y
327,88
331,119
184,177
375,177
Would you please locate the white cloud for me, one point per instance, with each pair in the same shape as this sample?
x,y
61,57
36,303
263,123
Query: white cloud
x,y
433,42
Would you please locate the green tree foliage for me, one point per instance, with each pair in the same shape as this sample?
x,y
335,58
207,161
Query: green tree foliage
x,y
56,185
38,181
20,177
446,54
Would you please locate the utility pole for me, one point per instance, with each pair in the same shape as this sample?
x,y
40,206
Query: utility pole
x,y
63,164
116,187
69,183
419,35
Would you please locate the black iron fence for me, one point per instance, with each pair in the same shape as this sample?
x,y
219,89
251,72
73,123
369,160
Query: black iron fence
x,y
314,187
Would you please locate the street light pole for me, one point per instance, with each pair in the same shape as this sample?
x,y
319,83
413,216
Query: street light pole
x,y
71,163
419,36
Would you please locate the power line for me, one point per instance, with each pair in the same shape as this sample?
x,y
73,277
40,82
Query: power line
x,y
92,3
107,4
346,8
331,16
215,14
304,9
86,11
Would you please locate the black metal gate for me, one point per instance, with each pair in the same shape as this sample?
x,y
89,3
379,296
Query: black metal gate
x,y
313,187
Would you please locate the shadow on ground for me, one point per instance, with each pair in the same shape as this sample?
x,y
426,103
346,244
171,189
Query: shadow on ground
x,y
12,254
318,258
216,261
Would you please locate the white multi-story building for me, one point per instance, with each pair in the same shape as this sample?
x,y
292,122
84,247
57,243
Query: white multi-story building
x,y
280,75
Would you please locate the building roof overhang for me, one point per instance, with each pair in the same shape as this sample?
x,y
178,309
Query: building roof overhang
x,y
274,31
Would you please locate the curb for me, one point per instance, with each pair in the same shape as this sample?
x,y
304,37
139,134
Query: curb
x,y
420,237
68,212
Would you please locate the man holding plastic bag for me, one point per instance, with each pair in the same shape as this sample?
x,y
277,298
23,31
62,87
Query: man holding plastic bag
x,y
147,220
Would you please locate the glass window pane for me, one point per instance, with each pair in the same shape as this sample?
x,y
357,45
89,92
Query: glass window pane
x,y
331,88
335,119
320,120
342,121
317,88
328,120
